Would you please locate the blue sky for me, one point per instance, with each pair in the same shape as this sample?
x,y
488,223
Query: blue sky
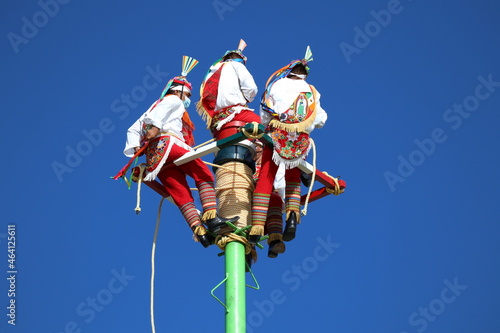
x,y
412,89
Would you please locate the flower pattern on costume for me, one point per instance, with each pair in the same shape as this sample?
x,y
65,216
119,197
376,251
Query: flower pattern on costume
x,y
289,145
155,152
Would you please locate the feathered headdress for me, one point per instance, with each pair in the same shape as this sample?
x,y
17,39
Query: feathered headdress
x,y
239,51
188,63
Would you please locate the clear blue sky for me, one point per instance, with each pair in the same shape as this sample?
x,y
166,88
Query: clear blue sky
x,y
412,89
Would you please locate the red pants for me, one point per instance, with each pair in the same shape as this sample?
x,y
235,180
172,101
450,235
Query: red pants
x,y
174,177
264,188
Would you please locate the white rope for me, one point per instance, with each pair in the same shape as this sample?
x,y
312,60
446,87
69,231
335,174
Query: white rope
x,y
153,250
306,203
142,167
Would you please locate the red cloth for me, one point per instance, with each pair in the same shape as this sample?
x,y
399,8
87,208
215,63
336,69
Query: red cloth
x,y
268,172
174,177
210,92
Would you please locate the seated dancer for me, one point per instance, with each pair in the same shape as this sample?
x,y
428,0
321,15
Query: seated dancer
x,y
168,132
290,110
227,88
274,220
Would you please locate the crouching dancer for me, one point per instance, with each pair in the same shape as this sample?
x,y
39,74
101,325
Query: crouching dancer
x,y
168,132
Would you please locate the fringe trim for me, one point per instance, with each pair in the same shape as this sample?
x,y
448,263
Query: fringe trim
x,y
209,214
274,237
289,164
203,113
296,127
200,230
173,140
297,214
236,110
257,230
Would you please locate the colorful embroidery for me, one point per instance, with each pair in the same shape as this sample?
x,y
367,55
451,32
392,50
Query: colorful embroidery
x,y
155,152
220,115
289,145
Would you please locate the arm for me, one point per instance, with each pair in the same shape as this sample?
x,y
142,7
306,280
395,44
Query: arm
x,y
321,115
247,83
133,138
169,110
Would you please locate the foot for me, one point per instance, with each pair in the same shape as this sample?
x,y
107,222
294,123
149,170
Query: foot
x,y
206,240
215,224
291,227
254,239
275,247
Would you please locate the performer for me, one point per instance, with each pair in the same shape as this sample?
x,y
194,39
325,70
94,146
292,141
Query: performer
x,y
168,132
227,88
274,220
290,110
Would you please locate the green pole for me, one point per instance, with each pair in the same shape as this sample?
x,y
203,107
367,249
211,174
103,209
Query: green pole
x,y
235,288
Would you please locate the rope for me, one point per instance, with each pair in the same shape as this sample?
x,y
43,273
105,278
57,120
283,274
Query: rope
x,y
306,203
235,185
336,190
153,250
223,167
255,131
142,167
204,143
223,240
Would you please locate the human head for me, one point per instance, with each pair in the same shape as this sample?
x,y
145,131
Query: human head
x,y
180,90
236,54
299,71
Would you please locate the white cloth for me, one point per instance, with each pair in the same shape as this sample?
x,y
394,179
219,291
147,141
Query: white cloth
x,y
282,95
236,85
167,116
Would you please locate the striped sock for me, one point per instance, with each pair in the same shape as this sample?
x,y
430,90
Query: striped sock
x,y
274,222
259,208
207,196
292,195
190,214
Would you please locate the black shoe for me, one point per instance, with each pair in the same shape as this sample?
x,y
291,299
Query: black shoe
x,y
291,227
217,222
275,247
206,240
254,239
305,178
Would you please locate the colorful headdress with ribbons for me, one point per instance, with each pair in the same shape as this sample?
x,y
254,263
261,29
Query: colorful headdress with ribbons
x,y
284,72
188,63
239,51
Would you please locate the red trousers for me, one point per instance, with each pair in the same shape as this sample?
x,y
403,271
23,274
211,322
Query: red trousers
x,y
174,177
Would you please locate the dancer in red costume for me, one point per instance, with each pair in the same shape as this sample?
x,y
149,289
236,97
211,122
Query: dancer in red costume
x,y
227,88
168,130
290,108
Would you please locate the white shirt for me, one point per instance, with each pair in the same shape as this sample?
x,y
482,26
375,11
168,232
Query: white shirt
x,y
282,95
167,116
236,85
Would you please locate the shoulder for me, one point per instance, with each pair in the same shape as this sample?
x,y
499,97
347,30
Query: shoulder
x,y
171,100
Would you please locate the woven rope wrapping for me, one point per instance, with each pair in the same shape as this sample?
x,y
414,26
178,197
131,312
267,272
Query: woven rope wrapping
x,y
336,190
234,193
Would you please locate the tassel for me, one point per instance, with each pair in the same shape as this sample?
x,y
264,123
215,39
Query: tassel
x,y
209,214
275,237
200,230
257,230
